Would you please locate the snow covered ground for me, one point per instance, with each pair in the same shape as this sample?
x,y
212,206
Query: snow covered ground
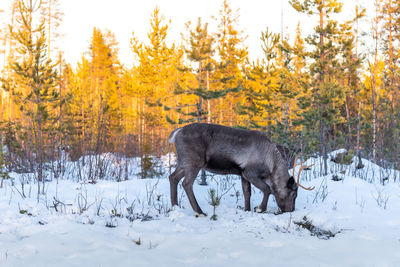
x,y
353,222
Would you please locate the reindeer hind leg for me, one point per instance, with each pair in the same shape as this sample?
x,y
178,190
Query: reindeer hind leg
x,y
190,177
174,179
246,193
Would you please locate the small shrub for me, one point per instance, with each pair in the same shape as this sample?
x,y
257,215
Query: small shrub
x,y
336,178
306,223
322,193
112,222
215,200
381,197
345,158
25,212
149,166
110,225
3,173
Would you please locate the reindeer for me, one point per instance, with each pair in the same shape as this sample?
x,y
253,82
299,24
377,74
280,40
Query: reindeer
x,y
225,150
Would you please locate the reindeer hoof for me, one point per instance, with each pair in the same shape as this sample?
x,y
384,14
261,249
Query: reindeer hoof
x,y
258,210
200,215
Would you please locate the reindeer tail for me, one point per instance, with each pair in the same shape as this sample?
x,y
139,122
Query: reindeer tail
x,y
171,138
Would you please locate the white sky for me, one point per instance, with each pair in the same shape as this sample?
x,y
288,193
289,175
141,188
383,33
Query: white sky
x,y
123,17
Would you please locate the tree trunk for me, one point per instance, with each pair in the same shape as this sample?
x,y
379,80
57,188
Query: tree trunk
x,y
323,144
373,125
358,145
322,135
39,141
10,53
203,180
373,81
349,135
208,101
60,117
49,29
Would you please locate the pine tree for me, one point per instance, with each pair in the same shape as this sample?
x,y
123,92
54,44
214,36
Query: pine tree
x,y
327,94
104,74
273,88
262,87
7,103
232,56
155,60
156,75
96,104
300,81
34,80
373,69
390,16
79,108
350,76
3,38
199,51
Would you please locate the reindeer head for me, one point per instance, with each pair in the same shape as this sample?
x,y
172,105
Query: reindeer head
x,y
287,193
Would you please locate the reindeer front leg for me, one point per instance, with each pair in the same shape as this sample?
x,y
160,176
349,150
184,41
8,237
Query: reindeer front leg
x,y
252,177
263,206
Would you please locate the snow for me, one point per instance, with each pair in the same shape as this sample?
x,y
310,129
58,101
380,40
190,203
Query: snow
x,y
131,223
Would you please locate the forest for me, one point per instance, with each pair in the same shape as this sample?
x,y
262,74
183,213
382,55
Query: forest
x,y
88,178
316,93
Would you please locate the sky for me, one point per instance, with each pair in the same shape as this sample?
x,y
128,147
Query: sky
x,y
123,17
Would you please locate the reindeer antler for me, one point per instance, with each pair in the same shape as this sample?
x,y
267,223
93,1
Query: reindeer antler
x,y
301,168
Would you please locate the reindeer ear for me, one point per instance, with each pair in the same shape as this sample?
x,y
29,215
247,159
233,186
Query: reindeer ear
x,y
291,183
